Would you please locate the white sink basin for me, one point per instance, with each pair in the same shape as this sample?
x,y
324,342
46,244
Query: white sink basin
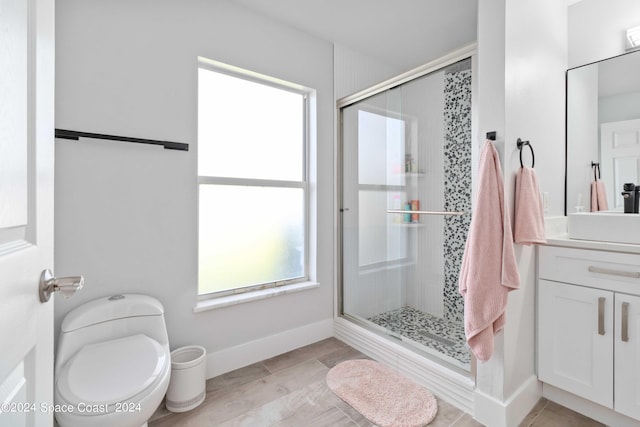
x,y
605,226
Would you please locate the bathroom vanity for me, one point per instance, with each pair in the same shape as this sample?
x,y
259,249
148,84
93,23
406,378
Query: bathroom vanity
x,y
588,328
588,281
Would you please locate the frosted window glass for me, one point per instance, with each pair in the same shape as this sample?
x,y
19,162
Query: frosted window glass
x,y
249,235
381,237
248,129
381,142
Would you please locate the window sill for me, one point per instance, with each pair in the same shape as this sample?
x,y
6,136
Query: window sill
x,y
214,303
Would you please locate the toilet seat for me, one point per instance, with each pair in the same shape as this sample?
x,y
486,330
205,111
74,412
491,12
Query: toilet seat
x,y
113,371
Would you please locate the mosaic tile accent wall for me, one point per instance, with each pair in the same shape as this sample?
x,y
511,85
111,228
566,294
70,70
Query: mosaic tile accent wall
x,y
457,181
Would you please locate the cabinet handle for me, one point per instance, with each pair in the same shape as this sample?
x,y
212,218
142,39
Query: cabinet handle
x,y
601,302
632,274
625,322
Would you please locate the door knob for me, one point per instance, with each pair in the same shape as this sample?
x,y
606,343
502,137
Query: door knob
x,y
67,286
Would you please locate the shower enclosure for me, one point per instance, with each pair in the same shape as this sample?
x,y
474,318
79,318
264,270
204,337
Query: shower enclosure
x,y
406,181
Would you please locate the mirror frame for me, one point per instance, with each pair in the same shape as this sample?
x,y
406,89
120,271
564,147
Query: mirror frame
x,y
566,119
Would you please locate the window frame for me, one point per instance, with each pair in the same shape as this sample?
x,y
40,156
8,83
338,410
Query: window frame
x,y
304,183
384,188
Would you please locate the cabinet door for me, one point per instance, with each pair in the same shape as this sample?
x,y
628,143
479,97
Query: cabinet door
x,y
627,351
575,340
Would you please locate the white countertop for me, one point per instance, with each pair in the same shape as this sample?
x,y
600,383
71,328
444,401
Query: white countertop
x,y
565,241
556,230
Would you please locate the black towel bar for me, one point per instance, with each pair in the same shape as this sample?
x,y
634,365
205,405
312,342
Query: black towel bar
x,y
75,135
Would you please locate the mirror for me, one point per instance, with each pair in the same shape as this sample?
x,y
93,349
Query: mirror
x,y
603,126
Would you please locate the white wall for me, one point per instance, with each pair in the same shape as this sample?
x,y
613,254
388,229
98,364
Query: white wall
x,y
582,126
126,214
521,95
624,106
535,105
597,29
490,107
355,71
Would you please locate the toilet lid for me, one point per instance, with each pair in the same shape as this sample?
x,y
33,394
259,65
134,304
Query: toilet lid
x,y
112,371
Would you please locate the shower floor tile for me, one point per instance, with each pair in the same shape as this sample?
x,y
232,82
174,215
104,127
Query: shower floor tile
x,y
433,332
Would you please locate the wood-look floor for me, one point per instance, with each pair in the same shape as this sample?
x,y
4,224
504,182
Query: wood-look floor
x,y
290,390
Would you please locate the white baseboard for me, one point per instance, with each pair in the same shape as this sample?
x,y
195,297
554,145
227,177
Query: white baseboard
x,y
449,385
492,412
242,355
587,408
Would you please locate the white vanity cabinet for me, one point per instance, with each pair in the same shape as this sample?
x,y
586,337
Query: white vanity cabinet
x,y
627,355
572,354
588,316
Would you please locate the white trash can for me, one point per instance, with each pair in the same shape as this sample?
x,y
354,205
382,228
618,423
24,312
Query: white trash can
x,y
187,387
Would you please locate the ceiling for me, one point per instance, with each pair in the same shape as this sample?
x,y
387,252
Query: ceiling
x,y
403,33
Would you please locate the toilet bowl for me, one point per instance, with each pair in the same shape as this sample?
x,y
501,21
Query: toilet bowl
x,y
113,363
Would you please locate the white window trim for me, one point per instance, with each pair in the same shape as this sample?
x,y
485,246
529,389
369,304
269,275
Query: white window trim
x,y
229,300
214,300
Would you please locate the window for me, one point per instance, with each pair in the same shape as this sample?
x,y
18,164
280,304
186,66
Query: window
x,y
252,181
381,186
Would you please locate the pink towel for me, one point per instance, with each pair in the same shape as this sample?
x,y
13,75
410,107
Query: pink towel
x,y
529,214
598,197
489,269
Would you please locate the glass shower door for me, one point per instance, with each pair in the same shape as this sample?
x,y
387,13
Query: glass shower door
x,y
406,151
375,246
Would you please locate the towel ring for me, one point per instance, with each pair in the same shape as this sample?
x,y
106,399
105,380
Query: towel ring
x,y
522,143
596,168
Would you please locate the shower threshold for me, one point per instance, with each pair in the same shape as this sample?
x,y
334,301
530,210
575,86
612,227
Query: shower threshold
x,y
427,332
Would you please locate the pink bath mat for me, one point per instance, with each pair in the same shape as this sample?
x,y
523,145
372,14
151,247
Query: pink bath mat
x,y
382,395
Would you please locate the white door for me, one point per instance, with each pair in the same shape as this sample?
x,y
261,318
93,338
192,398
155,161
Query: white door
x,y
26,210
627,351
619,157
575,341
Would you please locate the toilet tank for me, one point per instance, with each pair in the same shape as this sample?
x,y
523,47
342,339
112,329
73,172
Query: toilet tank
x,y
110,318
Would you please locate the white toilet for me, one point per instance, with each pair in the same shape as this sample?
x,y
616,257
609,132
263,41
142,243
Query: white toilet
x,y
113,362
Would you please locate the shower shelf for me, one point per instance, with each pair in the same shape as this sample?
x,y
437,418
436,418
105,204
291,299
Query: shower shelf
x,y
398,211
410,174
408,224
